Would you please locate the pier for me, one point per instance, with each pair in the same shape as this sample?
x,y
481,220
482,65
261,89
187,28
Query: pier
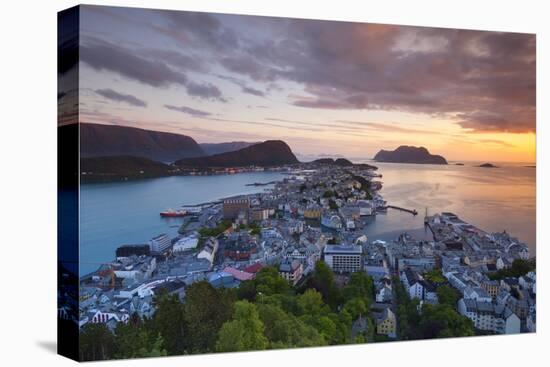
x,y
411,211
261,183
202,205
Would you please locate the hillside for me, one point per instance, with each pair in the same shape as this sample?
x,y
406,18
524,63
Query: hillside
x,y
118,168
343,162
218,148
268,153
409,154
109,140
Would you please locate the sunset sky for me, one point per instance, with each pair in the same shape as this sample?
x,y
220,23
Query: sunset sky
x,y
324,87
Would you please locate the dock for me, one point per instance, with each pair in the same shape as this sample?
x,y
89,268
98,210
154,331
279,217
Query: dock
x,y
261,183
411,211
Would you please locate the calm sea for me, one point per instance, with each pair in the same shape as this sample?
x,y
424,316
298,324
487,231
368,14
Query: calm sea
x,y
493,199
119,213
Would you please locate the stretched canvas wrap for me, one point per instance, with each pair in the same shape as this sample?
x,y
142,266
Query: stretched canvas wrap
x,y
234,183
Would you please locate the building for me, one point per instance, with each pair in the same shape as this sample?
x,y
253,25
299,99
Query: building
x,y
238,274
491,287
331,221
186,243
259,214
487,316
343,259
240,247
160,243
129,250
221,279
291,270
386,323
312,212
209,249
232,207
417,287
384,294
478,294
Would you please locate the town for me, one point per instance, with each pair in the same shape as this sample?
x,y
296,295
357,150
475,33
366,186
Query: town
x,y
317,216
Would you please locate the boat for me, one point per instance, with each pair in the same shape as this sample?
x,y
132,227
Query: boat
x,y
170,213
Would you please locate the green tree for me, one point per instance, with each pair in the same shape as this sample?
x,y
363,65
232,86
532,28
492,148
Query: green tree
x,y
447,295
169,322
323,281
310,303
519,268
244,332
360,285
96,342
356,307
442,321
135,340
284,330
268,282
435,276
205,311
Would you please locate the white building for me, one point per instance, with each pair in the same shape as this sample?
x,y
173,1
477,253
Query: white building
x,y
187,243
490,317
477,293
343,259
208,252
160,243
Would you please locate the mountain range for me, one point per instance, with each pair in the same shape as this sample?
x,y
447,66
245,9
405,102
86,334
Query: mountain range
x,y
409,154
98,140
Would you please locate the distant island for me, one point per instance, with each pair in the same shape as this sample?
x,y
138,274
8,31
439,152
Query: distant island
x,y
409,154
487,165
459,164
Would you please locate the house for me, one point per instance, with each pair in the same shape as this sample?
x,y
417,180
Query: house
x,y
386,323
291,270
491,287
478,294
99,317
186,243
417,287
490,317
377,272
430,292
238,274
384,294
221,279
209,249
259,214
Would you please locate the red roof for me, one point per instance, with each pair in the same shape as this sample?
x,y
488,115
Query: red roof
x,y
238,274
254,268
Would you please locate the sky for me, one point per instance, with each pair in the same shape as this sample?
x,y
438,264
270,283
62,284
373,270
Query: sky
x,y
326,88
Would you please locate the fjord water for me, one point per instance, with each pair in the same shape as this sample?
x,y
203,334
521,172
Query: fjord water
x,y
494,199
113,214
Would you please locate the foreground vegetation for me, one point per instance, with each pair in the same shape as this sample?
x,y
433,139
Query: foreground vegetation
x,y
263,313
